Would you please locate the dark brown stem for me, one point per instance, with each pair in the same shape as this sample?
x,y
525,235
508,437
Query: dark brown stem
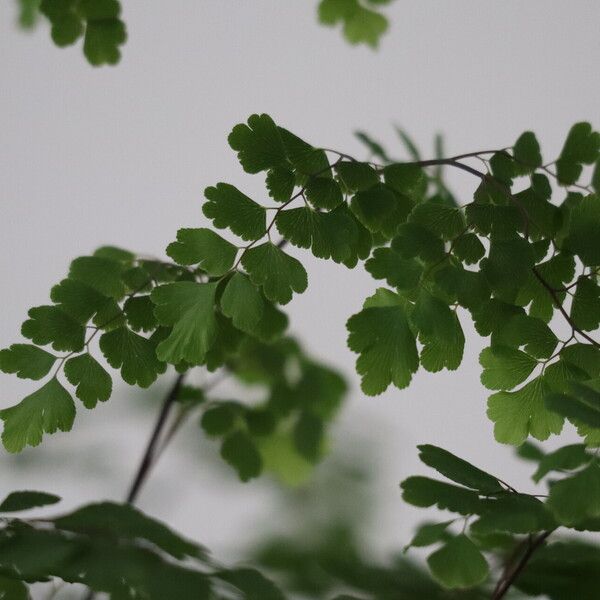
x,y
148,457
512,572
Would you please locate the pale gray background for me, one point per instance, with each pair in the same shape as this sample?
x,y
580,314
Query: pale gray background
x,y
122,155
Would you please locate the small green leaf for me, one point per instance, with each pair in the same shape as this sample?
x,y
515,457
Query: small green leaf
x,y
585,308
139,311
101,274
133,354
445,221
581,402
241,453
429,534
242,303
406,179
513,513
468,248
26,500
93,382
77,299
278,273
387,347
584,231
226,206
504,368
280,183
380,209
308,436
46,410
252,584
205,248
399,272
458,564
218,420
567,458
522,412
577,498
324,192
27,361
51,325
425,492
189,307
357,176
258,144
458,470
527,151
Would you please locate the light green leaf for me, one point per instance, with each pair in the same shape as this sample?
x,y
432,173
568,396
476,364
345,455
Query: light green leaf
x,y
504,368
93,382
133,354
522,412
458,470
46,410
189,307
205,248
387,347
51,325
522,330
258,144
458,564
576,498
242,303
278,273
228,207
27,361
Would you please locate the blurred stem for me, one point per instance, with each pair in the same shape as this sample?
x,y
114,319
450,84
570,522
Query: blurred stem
x,y
147,461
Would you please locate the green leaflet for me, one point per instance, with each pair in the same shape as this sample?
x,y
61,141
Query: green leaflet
x,y
399,272
584,231
27,361
576,498
18,501
458,470
323,192
468,248
139,311
219,420
380,209
51,325
133,354
357,176
504,367
243,303
458,564
445,221
13,589
45,411
409,180
430,533
226,206
189,308
388,352
101,274
308,436
425,492
585,308
241,453
527,151
252,584
581,403
98,21
361,24
93,383
129,523
258,144
523,412
280,182
513,513
204,248
581,147
77,299
275,271
567,458
329,235
532,333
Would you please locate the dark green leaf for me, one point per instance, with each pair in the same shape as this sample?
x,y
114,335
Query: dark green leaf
x,y
27,361
51,325
26,500
93,382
